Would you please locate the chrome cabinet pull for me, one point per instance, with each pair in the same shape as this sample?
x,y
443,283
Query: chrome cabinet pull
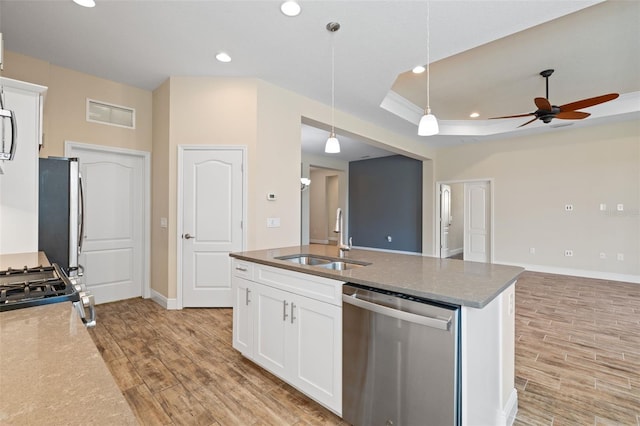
x,y
293,318
240,268
246,297
284,310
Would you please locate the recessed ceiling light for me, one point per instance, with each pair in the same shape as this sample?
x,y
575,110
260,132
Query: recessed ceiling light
x,y
290,8
85,3
419,69
223,57
474,115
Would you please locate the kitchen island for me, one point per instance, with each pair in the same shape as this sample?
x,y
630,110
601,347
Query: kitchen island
x,y
268,280
52,373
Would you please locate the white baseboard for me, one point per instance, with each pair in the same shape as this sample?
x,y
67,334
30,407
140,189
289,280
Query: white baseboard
x,y
318,241
611,276
511,408
455,251
387,251
169,304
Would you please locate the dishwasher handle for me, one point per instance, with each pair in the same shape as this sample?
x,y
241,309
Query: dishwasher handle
x,y
439,323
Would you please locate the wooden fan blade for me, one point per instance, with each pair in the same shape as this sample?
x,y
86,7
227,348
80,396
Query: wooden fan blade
x,y
543,104
586,103
530,121
572,115
512,116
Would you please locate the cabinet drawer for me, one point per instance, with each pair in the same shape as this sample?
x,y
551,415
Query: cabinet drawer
x,y
318,288
242,269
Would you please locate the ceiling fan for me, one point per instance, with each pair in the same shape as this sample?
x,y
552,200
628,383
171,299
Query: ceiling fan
x,y
547,112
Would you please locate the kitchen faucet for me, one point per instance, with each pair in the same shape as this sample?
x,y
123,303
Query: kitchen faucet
x,y
342,247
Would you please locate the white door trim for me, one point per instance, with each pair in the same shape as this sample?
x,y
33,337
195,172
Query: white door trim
x,y
146,173
436,224
180,204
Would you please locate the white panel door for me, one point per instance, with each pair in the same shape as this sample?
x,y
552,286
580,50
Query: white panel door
x,y
477,236
212,189
113,246
445,219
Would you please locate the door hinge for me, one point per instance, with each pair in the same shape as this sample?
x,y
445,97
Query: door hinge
x,y
241,225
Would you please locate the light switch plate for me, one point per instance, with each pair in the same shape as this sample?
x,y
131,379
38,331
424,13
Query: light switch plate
x,y
273,222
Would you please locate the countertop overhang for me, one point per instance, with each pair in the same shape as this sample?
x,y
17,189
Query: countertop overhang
x,y
451,281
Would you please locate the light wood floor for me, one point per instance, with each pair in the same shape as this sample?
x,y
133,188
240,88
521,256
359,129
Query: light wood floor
x,y
577,361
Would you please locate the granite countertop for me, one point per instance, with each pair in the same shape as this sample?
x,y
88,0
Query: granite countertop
x,y
457,282
52,373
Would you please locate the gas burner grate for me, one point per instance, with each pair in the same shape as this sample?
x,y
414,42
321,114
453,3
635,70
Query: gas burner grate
x,y
33,286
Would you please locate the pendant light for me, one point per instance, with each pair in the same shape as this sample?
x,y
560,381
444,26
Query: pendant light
x,y
428,123
333,145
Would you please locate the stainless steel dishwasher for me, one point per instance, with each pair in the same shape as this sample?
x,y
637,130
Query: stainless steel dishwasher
x,y
400,360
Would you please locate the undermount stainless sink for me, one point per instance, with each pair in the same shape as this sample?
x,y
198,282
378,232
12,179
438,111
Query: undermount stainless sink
x,y
323,262
305,260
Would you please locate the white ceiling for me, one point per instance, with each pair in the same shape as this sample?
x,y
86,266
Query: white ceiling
x,y
141,43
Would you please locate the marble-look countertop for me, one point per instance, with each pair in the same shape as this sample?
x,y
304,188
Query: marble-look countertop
x,y
457,282
51,372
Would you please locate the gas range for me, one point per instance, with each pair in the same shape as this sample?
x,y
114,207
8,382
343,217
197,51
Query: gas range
x,y
42,285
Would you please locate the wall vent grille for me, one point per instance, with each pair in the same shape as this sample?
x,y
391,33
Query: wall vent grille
x,y
113,115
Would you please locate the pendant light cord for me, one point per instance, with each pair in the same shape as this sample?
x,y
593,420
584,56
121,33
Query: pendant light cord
x,y
333,91
428,110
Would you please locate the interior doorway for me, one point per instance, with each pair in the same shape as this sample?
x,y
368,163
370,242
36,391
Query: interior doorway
x,y
326,195
464,225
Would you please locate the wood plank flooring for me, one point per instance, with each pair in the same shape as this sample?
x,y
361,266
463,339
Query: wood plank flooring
x,y
577,361
577,351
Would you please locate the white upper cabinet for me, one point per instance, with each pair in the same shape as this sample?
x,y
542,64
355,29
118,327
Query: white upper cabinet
x,y
19,183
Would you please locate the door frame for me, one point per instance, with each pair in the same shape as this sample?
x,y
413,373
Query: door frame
x,y
437,222
180,204
146,186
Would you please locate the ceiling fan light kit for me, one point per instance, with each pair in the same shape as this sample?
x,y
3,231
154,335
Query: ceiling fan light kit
x,y
547,112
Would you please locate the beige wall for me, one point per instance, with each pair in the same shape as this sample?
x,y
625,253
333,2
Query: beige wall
x,y
536,176
65,106
160,166
264,118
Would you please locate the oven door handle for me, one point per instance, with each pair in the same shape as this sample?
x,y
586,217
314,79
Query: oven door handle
x,y
439,323
87,301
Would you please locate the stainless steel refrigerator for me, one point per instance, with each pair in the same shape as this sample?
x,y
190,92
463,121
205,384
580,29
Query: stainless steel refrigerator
x,y
60,224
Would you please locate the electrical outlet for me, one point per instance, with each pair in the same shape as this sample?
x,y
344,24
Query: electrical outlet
x,y
163,222
621,257
620,207
603,255
568,253
532,250
568,207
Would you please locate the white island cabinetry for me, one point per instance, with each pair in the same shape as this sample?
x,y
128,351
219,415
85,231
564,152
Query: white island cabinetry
x,y
290,323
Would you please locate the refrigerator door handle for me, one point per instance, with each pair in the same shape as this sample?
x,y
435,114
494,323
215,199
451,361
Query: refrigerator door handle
x,y
81,233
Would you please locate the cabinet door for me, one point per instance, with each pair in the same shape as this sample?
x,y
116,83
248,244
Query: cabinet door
x,y
316,340
243,316
19,184
271,322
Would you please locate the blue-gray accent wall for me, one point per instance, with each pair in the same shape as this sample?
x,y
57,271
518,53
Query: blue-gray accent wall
x,y
385,199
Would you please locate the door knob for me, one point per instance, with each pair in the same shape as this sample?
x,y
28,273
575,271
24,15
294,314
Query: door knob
x,y
188,236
